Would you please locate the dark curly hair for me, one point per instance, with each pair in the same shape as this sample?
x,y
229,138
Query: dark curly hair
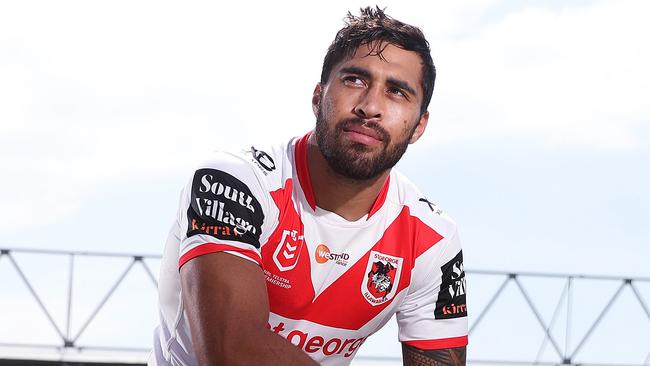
x,y
373,26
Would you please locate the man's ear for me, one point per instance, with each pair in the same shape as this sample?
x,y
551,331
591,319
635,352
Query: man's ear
x,y
421,126
315,99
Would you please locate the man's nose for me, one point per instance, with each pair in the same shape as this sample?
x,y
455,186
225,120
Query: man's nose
x,y
370,105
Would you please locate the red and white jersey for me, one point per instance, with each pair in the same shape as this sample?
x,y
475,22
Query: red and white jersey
x,y
331,282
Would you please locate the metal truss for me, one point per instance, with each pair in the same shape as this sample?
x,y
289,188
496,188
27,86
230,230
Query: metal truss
x,y
68,339
564,353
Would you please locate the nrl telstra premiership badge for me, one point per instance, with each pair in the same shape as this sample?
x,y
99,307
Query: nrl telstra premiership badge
x,y
288,251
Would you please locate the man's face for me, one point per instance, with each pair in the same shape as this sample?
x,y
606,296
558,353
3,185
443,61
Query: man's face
x,y
369,111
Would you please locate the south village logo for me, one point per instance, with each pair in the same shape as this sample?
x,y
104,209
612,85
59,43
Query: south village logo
x,y
451,301
224,207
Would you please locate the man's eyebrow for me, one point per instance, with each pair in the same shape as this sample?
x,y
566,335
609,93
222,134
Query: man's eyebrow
x,y
355,70
401,85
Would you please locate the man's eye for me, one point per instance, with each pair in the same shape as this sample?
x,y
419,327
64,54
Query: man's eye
x,y
353,80
397,92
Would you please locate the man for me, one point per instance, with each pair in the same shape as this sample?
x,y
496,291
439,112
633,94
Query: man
x,y
295,254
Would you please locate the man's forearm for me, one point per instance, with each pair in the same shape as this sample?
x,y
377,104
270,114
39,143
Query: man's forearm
x,y
227,309
284,352
413,356
265,348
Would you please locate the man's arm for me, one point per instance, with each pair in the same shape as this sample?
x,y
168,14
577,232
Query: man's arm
x,y
414,356
228,310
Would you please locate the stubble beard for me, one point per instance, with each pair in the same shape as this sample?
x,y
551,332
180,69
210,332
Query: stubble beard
x,y
353,160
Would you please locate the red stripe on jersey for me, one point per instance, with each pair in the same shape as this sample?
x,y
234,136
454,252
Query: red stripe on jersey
x,y
439,343
208,248
407,237
280,198
426,237
381,198
290,292
302,168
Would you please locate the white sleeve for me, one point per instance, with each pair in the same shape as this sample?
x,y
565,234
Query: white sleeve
x,y
434,314
224,208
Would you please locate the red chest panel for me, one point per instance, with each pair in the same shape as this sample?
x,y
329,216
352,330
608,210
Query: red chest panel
x,y
286,261
356,297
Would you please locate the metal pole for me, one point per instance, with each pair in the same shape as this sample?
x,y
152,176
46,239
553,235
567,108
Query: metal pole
x,y
598,319
101,304
489,305
151,276
569,306
638,296
38,300
556,311
69,315
539,317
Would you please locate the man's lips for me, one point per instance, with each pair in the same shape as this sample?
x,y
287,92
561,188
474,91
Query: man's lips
x,y
363,135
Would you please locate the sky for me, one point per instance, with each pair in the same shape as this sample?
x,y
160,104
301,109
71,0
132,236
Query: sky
x,y
538,143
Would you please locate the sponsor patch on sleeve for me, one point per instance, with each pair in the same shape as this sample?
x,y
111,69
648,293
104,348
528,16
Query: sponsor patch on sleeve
x,y
451,301
222,206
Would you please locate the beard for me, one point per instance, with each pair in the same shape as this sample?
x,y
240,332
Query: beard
x,y
354,160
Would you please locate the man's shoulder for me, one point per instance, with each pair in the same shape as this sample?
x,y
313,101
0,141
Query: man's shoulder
x,y
267,162
421,206
269,159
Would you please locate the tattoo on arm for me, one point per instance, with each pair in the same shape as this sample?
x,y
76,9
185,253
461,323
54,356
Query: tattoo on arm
x,y
414,356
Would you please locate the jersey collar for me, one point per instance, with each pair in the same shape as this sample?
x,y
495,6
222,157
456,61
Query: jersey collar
x,y
304,179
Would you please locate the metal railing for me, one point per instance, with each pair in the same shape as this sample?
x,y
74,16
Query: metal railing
x,y
562,352
566,354
69,339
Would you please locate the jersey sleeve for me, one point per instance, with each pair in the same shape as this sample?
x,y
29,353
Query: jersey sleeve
x,y
224,208
434,314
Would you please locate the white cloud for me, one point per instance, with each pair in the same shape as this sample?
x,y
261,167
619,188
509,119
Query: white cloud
x,y
93,93
574,77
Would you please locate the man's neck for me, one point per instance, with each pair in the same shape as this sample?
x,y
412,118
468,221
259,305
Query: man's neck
x,y
348,198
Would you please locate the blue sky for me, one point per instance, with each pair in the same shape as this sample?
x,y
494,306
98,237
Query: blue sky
x,y
538,144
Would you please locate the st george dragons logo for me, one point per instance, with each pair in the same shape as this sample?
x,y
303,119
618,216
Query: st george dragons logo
x,y
382,278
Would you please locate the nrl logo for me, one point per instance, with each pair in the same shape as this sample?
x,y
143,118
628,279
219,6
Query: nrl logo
x,y
288,251
382,277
